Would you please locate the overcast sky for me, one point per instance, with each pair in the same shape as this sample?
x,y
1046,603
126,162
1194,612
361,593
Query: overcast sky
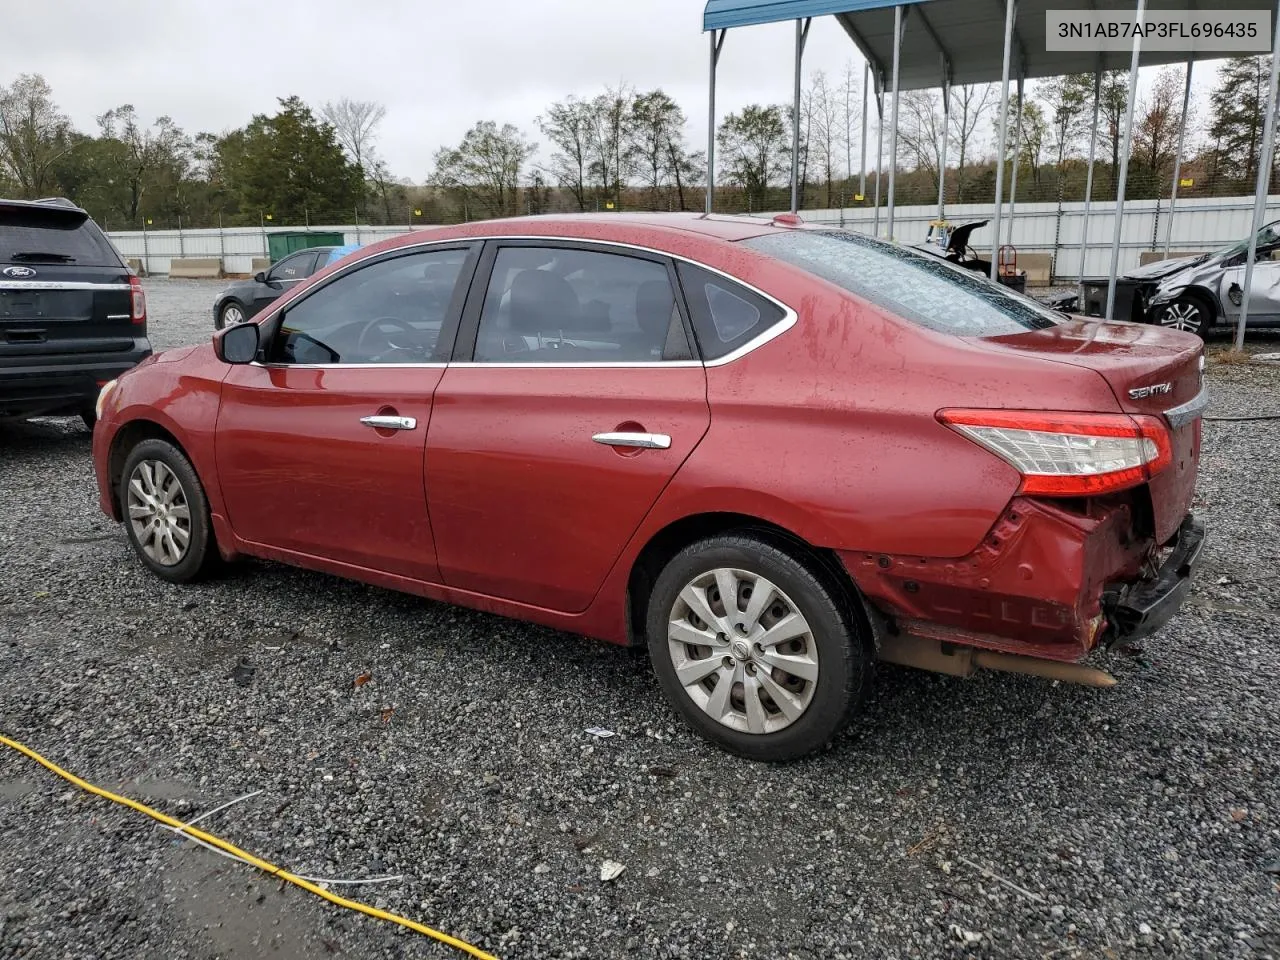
x,y
437,66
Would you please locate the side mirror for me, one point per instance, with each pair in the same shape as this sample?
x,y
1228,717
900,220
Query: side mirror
x,y
237,344
260,277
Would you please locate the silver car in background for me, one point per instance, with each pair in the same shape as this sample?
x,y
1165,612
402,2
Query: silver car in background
x,y
1198,293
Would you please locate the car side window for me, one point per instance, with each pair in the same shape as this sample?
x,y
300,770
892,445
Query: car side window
x,y
293,267
564,305
725,314
390,311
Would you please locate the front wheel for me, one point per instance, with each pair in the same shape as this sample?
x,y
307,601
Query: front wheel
x,y
1188,313
230,314
755,648
166,512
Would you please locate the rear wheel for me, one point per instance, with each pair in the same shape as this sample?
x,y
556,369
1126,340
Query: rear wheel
x,y
231,313
755,648
90,418
1189,313
166,512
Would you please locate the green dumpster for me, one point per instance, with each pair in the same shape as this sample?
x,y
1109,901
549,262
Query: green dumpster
x,y
287,242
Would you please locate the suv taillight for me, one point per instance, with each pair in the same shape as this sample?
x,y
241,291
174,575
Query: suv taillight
x,y
1069,454
139,300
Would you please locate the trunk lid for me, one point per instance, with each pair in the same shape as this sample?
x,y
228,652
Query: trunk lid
x,y
1150,371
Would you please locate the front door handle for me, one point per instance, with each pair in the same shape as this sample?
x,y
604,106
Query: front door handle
x,y
390,423
646,441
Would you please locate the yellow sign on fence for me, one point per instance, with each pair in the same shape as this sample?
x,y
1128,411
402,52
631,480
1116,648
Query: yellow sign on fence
x,y
1186,182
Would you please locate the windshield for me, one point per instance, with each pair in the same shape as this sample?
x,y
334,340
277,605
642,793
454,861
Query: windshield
x,y
1268,236
925,290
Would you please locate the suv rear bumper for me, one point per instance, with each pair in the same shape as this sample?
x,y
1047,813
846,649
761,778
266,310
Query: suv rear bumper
x,y
54,384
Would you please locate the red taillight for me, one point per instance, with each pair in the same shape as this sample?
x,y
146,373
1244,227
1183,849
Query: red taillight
x,y
139,301
1069,454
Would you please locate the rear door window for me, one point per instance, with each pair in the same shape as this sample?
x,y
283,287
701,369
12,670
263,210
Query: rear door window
x,y
915,286
557,304
56,235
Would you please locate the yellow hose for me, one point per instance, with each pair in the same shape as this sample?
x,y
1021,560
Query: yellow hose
x,y
249,858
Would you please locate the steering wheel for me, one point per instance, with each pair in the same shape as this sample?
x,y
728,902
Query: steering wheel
x,y
414,336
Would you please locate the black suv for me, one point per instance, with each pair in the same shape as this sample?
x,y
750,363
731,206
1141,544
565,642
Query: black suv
x,y
72,313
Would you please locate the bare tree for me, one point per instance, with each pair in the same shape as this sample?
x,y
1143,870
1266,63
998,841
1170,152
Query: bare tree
x,y
920,128
1065,100
1155,128
850,91
568,124
970,103
33,134
147,150
485,167
656,149
608,134
355,123
825,130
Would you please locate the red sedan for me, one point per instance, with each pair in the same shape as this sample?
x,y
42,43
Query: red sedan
x,y
773,452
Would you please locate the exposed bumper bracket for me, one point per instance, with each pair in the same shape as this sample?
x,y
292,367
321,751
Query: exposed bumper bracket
x,y
1138,609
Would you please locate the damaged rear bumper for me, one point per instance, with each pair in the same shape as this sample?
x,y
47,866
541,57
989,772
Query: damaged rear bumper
x,y
1136,610
1048,582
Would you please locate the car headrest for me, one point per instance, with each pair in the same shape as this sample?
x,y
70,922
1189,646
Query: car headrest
x,y
542,301
654,301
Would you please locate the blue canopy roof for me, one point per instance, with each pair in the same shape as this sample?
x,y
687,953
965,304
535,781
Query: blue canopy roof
x,y
721,14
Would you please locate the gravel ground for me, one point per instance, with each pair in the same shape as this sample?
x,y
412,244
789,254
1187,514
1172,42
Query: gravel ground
x,y
1136,822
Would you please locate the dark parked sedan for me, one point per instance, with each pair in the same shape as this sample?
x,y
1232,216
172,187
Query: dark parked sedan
x,y
246,298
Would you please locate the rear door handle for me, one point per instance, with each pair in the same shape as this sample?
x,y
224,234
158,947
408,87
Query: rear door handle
x,y
646,441
390,423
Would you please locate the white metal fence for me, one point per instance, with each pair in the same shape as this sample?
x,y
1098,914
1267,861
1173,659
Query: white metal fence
x,y
1199,225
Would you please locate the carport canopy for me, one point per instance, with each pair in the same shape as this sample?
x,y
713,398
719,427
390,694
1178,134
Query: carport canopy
x,y
965,35
922,44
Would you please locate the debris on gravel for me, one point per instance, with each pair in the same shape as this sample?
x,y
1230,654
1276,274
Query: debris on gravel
x,y
1003,816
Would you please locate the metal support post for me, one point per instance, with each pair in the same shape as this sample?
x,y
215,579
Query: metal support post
x,y
1088,184
1139,17
802,34
1177,158
717,41
1002,137
879,150
1017,158
1263,185
899,20
862,176
946,129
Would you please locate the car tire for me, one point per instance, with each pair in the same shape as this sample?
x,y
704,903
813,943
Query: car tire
x,y
89,417
765,713
1189,313
230,313
166,515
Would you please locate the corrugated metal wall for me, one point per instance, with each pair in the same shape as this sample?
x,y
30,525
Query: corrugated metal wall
x,y
1199,225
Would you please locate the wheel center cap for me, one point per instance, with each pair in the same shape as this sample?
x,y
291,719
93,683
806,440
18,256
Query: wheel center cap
x,y
740,649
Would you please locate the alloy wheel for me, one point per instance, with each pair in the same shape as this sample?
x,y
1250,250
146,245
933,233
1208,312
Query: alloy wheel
x,y
1182,315
742,651
231,315
159,513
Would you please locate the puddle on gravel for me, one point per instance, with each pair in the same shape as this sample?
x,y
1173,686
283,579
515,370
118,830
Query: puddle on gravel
x,y
227,911
14,790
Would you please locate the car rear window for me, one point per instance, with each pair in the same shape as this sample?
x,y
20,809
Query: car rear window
x,y
923,289
53,236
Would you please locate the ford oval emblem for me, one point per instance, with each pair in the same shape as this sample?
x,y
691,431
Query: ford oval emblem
x,y
18,273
